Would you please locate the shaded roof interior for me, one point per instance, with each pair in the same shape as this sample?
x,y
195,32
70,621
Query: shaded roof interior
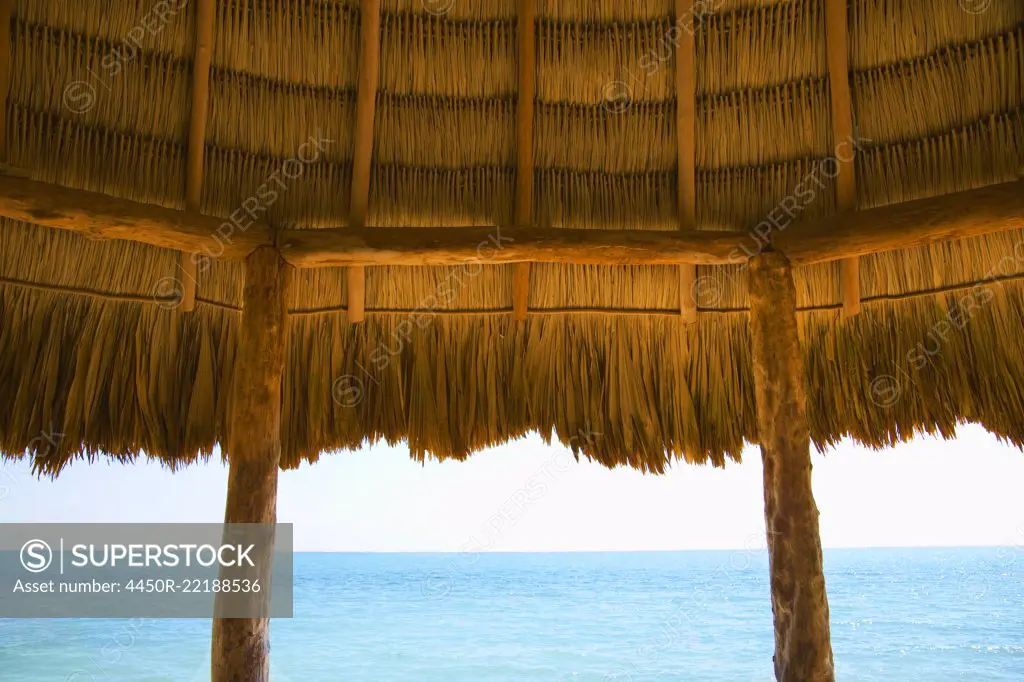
x,y
93,344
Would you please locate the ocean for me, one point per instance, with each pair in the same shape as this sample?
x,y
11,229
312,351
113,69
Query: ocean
x,y
897,615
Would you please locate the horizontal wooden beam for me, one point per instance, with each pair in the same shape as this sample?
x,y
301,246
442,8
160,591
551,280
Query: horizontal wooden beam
x,y
491,245
997,208
100,216
976,212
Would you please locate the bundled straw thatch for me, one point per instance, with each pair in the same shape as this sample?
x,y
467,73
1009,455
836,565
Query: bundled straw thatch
x,y
93,346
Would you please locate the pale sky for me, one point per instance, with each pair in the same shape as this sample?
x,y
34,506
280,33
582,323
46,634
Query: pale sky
x,y
965,492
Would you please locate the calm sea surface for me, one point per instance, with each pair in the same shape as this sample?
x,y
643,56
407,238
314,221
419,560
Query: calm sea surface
x,y
921,615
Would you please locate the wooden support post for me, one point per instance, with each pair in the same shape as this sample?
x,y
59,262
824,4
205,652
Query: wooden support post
x,y
803,649
686,134
842,132
362,157
524,146
241,646
205,15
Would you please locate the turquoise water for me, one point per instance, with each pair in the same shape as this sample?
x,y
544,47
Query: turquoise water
x,y
928,615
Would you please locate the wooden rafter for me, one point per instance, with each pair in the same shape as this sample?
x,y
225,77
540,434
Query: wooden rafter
x,y
524,145
686,132
6,9
362,157
205,17
948,217
842,130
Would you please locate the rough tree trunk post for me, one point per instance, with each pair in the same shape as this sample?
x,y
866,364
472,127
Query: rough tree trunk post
x,y
241,647
803,648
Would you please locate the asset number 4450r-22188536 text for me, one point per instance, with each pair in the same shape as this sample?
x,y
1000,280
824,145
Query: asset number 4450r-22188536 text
x,y
187,586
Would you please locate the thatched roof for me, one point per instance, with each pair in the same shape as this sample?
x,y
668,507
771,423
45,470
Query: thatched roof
x,y
93,346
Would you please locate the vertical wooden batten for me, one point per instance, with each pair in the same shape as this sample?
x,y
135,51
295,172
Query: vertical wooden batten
x,y
521,291
362,157
686,132
6,11
205,15
837,37
803,648
241,646
524,145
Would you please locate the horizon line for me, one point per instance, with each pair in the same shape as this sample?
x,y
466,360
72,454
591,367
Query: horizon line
x,y
759,549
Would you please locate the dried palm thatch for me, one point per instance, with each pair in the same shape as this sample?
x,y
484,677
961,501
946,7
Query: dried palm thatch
x,y
94,346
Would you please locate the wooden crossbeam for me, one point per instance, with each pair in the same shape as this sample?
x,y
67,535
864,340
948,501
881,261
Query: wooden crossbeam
x,y
362,156
988,210
837,37
948,217
205,16
686,133
524,145
465,245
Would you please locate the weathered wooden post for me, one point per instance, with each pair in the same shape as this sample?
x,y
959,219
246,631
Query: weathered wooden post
x,y
803,647
241,646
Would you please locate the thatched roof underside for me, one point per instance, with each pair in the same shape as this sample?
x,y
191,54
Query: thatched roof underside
x,y
93,347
